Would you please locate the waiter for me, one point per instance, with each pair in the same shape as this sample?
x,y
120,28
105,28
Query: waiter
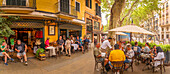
x,y
106,44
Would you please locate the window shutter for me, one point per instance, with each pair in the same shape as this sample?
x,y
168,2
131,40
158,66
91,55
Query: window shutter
x,y
78,6
91,4
99,11
96,8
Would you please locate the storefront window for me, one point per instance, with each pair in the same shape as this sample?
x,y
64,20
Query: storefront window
x,y
96,25
89,25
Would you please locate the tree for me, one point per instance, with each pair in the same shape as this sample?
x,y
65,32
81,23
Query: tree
x,y
5,30
121,11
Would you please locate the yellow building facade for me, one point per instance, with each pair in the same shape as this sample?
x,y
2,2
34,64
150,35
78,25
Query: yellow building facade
x,y
51,18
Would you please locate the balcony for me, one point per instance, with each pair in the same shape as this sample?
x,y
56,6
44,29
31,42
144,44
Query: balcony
x,y
18,6
65,10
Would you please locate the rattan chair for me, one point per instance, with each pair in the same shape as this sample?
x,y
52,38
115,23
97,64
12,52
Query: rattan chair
x,y
117,66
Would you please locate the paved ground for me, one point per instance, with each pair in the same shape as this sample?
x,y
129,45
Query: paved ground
x,y
78,63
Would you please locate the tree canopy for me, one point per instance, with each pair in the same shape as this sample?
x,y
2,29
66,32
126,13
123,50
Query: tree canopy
x,y
136,10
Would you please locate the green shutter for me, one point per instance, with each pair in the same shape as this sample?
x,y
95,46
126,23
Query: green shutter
x,y
87,3
91,4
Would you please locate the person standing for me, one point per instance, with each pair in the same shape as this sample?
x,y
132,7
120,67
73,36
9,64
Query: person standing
x,y
68,47
3,53
21,49
106,44
60,42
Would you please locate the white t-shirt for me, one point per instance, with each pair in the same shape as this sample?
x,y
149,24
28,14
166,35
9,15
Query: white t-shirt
x,y
106,44
75,46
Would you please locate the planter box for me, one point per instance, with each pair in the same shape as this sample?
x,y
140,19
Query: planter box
x,y
167,55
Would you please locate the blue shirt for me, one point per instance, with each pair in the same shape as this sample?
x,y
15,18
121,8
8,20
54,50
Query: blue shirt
x,y
86,40
138,49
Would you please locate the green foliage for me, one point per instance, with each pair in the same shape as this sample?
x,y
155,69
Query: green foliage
x,y
132,43
165,47
5,30
126,42
152,44
40,50
1,40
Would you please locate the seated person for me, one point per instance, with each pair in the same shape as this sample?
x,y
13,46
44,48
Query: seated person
x,y
97,53
154,51
129,55
159,56
79,43
136,49
21,49
116,55
3,53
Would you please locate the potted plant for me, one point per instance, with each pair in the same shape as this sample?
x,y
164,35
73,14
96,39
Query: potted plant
x,y
40,54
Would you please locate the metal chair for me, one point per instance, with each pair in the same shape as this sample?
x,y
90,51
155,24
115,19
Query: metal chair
x,y
117,66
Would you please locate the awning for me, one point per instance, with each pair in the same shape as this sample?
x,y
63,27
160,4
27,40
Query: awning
x,y
78,21
121,33
27,25
70,26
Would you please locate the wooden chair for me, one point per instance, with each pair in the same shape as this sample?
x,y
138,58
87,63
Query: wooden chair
x,y
117,66
161,66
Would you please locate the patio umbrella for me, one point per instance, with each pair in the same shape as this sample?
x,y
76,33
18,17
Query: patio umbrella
x,y
131,29
121,33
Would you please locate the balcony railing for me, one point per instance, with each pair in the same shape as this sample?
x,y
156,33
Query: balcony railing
x,y
18,4
66,8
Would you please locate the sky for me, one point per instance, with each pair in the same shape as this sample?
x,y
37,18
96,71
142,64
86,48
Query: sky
x,y
104,22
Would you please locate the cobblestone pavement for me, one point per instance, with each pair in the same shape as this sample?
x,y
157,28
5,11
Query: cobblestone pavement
x,y
78,63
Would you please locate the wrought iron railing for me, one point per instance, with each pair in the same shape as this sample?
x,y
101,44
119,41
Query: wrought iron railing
x,y
19,3
66,8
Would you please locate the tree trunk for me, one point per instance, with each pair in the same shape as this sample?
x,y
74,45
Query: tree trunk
x,y
116,10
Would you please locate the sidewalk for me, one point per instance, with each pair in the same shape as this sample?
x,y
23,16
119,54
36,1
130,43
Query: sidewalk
x,y
78,63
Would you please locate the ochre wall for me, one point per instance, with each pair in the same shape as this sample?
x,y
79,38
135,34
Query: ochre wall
x,y
46,5
52,37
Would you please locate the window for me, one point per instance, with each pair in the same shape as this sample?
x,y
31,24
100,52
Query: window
x,y
89,3
98,10
78,6
96,25
89,25
16,2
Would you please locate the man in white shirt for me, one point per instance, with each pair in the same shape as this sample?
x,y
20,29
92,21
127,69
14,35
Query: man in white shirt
x,y
106,44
